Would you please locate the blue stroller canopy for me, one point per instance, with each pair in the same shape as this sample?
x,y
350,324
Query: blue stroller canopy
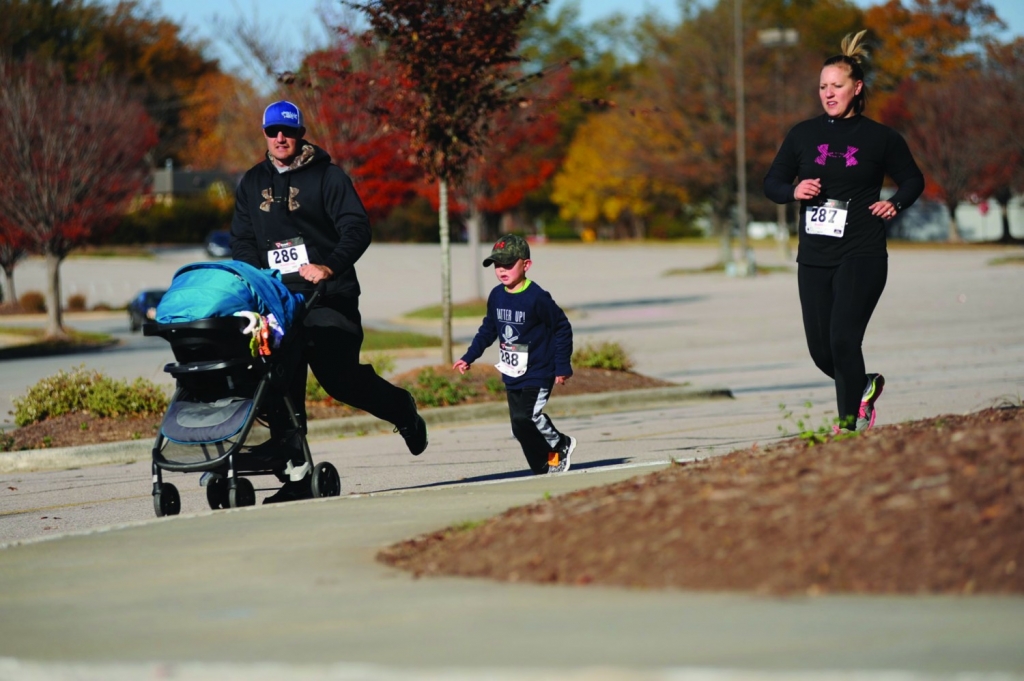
x,y
220,289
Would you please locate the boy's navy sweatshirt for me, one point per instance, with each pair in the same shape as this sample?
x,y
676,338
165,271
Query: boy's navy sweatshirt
x,y
529,316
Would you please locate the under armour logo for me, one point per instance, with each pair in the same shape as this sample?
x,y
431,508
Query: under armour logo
x,y
269,198
824,154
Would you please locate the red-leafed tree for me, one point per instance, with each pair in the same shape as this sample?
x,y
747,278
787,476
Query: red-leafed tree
x,y
1005,175
522,154
952,133
460,58
75,155
350,95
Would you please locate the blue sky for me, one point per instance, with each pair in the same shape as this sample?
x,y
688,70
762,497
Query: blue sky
x,y
294,22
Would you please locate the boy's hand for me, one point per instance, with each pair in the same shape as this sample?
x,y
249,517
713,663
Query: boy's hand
x,y
560,380
461,366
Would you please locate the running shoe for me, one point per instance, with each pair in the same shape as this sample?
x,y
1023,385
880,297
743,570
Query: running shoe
x,y
866,413
559,462
415,435
292,491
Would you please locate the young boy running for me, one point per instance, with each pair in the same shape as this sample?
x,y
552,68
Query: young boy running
x,y
535,344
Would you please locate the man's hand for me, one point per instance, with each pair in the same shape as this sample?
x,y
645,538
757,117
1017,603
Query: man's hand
x,y
560,380
315,273
461,366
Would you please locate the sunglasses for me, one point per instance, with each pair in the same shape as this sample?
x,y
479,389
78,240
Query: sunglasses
x,y
275,130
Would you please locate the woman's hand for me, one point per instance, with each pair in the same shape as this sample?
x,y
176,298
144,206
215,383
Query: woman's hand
x,y
807,189
883,209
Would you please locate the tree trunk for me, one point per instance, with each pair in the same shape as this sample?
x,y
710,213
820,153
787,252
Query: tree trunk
x,y
9,292
54,316
1004,214
474,227
723,227
782,231
638,227
954,231
446,275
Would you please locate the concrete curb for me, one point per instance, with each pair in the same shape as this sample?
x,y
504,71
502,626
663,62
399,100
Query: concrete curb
x,y
323,429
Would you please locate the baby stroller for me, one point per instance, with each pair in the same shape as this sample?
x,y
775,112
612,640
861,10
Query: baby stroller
x,y
233,329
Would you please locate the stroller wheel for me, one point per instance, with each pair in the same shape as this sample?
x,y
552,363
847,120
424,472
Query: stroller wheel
x,y
217,492
326,481
167,501
242,495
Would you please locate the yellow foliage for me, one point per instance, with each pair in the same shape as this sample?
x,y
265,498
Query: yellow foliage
x,y
222,119
599,179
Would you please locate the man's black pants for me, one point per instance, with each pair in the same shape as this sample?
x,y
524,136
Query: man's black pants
x,y
332,354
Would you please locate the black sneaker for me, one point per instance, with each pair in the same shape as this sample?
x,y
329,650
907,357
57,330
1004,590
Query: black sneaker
x,y
559,462
292,491
414,432
415,435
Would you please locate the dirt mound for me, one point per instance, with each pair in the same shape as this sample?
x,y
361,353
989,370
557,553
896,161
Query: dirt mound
x,y
934,506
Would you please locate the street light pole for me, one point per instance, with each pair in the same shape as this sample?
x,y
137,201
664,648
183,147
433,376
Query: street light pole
x,y
743,264
777,39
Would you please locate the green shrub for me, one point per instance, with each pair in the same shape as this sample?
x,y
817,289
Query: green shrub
x,y
435,390
185,220
82,390
76,303
494,385
314,391
32,301
558,230
110,397
603,356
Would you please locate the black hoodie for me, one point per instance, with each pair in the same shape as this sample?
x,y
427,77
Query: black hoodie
x,y
315,200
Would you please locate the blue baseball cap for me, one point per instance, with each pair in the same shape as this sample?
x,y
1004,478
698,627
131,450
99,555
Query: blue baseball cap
x,y
282,113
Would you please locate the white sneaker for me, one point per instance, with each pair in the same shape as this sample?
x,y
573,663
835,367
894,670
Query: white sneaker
x,y
297,473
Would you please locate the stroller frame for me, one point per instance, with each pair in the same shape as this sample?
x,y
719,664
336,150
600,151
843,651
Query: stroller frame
x,y
213,362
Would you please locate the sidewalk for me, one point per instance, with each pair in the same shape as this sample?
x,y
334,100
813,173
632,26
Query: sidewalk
x,y
295,587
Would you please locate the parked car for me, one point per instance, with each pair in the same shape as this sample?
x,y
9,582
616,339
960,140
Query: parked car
x,y
142,307
218,244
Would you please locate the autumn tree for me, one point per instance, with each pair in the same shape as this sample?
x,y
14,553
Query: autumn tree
x,y
221,119
520,156
952,129
927,40
75,157
126,41
352,96
599,181
1005,174
458,56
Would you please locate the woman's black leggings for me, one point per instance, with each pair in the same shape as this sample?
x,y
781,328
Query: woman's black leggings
x,y
837,303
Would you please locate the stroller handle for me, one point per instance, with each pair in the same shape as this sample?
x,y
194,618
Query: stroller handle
x,y
305,286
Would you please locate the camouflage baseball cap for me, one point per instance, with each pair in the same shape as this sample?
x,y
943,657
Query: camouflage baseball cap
x,y
507,250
